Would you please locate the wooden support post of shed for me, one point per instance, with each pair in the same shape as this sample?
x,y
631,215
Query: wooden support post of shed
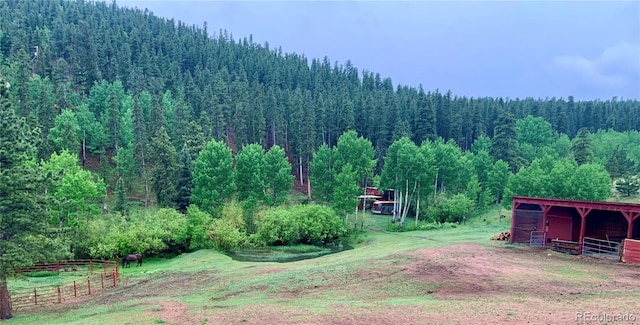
x,y
513,221
630,216
583,221
545,210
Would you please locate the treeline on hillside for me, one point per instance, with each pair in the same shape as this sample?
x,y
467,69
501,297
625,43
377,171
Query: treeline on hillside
x,y
103,57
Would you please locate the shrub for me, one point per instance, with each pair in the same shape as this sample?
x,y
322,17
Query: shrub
x,y
233,213
305,224
422,225
225,235
451,209
198,222
41,274
149,232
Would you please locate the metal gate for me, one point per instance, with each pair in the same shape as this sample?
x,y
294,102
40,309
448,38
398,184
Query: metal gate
x,y
601,248
537,239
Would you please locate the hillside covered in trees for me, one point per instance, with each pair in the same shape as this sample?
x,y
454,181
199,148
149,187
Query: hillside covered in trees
x,y
173,116
98,55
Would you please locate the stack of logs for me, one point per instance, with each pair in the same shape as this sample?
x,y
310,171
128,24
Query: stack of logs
x,y
502,236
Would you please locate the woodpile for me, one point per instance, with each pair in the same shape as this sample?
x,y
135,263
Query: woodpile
x,y
502,236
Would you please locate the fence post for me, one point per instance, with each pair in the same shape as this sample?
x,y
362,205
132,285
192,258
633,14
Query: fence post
x,y
117,264
114,277
102,279
89,285
35,296
75,290
59,295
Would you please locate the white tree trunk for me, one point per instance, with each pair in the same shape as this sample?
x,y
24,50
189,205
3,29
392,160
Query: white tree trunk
x,y
418,206
364,205
301,179
395,200
435,187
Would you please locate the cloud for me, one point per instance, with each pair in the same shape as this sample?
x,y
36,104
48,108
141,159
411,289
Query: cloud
x,y
618,65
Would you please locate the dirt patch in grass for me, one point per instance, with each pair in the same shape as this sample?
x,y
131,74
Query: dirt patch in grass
x,y
237,293
270,270
171,312
475,270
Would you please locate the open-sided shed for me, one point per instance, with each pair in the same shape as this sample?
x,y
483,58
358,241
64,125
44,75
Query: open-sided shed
x,y
574,226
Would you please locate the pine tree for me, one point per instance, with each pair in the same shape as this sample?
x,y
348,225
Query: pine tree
x,y
183,198
581,147
619,163
121,204
165,169
628,186
24,221
504,143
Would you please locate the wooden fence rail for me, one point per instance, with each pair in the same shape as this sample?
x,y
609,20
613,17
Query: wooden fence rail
x,y
72,265
103,275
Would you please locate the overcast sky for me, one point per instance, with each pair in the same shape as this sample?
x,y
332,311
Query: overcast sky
x,y
474,48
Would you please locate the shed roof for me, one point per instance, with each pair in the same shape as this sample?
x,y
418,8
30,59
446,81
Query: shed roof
x,y
596,205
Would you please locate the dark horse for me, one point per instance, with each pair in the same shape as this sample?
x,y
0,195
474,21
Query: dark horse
x,y
130,258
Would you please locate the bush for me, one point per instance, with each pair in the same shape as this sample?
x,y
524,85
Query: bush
x,y
161,231
41,274
226,236
451,209
422,225
302,224
198,222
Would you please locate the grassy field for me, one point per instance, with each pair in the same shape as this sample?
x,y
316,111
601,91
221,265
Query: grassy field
x,y
445,276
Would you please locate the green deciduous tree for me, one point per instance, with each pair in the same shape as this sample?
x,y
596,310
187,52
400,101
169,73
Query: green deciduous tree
x,y
590,182
64,135
563,178
346,190
197,223
213,181
408,171
279,178
250,173
483,142
497,179
533,134
322,173
356,151
74,191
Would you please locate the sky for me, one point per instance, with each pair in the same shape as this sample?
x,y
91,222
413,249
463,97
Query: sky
x,y
509,49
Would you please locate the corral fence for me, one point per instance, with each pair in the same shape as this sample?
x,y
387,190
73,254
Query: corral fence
x,y
537,239
600,248
101,275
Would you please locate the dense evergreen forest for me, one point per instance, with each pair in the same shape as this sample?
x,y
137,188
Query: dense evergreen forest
x,y
108,58
160,111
